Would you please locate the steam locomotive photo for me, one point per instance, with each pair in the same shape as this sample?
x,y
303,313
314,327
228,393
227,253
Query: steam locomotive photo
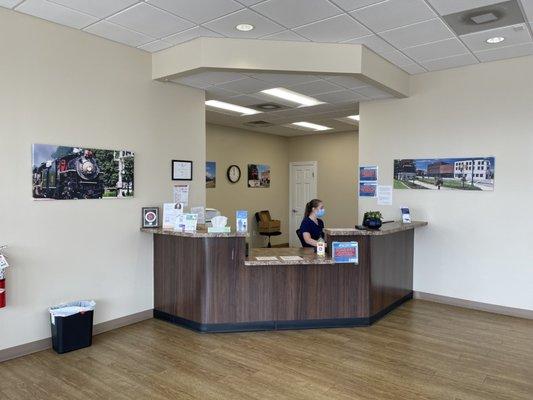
x,y
63,173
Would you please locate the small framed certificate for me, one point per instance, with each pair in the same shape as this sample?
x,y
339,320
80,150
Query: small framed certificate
x,y
181,170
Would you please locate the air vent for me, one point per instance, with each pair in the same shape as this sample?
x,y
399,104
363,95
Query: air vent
x,y
484,18
266,107
259,124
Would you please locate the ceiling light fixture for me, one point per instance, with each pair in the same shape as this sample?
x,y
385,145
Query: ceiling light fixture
x,y
354,117
289,95
495,40
231,107
245,27
313,127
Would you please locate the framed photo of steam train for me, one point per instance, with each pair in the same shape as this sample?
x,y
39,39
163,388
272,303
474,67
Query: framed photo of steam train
x,y
68,173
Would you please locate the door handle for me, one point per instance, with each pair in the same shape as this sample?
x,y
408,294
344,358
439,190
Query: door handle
x,y
294,211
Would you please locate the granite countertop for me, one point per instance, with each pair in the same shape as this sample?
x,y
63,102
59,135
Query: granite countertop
x,y
308,256
200,233
391,227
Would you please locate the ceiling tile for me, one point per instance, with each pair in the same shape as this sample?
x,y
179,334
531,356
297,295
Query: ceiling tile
x,y
398,58
98,8
190,81
436,50
217,77
156,45
284,79
335,29
226,25
513,35
351,5
246,86
293,13
450,62
528,9
56,13
244,100
348,82
341,96
445,7
190,34
198,11
413,69
9,3
249,2
416,34
118,34
374,93
519,50
151,21
314,88
215,92
393,14
286,36
374,43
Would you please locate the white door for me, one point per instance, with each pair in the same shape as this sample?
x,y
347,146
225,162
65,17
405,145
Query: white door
x,y
302,189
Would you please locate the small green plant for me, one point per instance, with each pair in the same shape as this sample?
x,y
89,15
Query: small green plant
x,y
373,215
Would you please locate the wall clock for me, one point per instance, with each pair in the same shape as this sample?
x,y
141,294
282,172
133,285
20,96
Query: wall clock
x,y
234,173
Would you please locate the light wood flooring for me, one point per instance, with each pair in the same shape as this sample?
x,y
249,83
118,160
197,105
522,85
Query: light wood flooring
x,y
420,351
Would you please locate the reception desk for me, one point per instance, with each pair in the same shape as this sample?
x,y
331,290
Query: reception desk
x,y
204,281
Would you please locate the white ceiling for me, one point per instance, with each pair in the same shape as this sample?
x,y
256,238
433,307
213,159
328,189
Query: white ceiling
x,y
341,95
408,33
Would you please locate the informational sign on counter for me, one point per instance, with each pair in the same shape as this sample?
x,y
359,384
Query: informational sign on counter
x,y
345,252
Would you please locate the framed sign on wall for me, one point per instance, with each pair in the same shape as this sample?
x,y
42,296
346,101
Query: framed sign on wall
x,y
181,170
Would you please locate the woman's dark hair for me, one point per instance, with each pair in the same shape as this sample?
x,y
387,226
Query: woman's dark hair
x,y
309,206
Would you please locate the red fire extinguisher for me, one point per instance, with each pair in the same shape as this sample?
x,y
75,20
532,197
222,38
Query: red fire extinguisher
x,y
2,293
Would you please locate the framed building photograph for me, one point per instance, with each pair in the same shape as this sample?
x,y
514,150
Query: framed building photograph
x,y
181,170
150,217
210,174
466,173
258,176
68,173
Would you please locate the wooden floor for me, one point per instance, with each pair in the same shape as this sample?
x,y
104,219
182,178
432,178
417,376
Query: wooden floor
x,y
420,351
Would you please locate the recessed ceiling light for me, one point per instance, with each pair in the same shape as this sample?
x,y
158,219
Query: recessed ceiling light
x,y
244,27
354,117
231,107
496,39
289,95
313,127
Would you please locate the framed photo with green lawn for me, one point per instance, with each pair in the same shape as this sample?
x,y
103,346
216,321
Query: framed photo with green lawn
x,y
465,173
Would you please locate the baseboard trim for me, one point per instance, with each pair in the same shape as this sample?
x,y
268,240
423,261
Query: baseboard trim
x,y
475,305
44,344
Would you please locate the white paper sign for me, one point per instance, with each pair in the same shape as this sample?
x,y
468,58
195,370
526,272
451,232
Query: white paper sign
x,y
200,211
384,195
181,194
170,212
266,258
291,258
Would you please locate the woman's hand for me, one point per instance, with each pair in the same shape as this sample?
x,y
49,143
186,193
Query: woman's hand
x,y
309,240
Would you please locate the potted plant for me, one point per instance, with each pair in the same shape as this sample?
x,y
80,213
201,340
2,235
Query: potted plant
x,y
372,220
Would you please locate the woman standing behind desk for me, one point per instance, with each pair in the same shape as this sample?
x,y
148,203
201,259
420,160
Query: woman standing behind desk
x,y
312,227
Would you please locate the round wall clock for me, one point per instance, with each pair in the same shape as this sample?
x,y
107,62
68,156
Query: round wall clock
x,y
234,173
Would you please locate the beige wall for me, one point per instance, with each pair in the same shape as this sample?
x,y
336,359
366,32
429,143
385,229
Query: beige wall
x,y
478,244
65,87
337,156
337,164
229,146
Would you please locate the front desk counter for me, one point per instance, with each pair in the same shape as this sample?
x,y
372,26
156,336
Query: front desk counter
x,y
204,281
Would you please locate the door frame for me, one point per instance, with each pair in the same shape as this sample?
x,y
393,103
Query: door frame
x,y
314,190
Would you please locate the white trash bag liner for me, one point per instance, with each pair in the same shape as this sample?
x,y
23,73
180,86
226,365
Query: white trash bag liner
x,y
68,309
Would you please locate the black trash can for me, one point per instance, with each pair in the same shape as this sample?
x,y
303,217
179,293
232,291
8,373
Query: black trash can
x,y
74,331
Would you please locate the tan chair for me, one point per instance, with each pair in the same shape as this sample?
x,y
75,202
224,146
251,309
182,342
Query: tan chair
x,y
267,226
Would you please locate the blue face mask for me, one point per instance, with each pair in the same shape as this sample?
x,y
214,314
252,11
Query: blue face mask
x,y
320,213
